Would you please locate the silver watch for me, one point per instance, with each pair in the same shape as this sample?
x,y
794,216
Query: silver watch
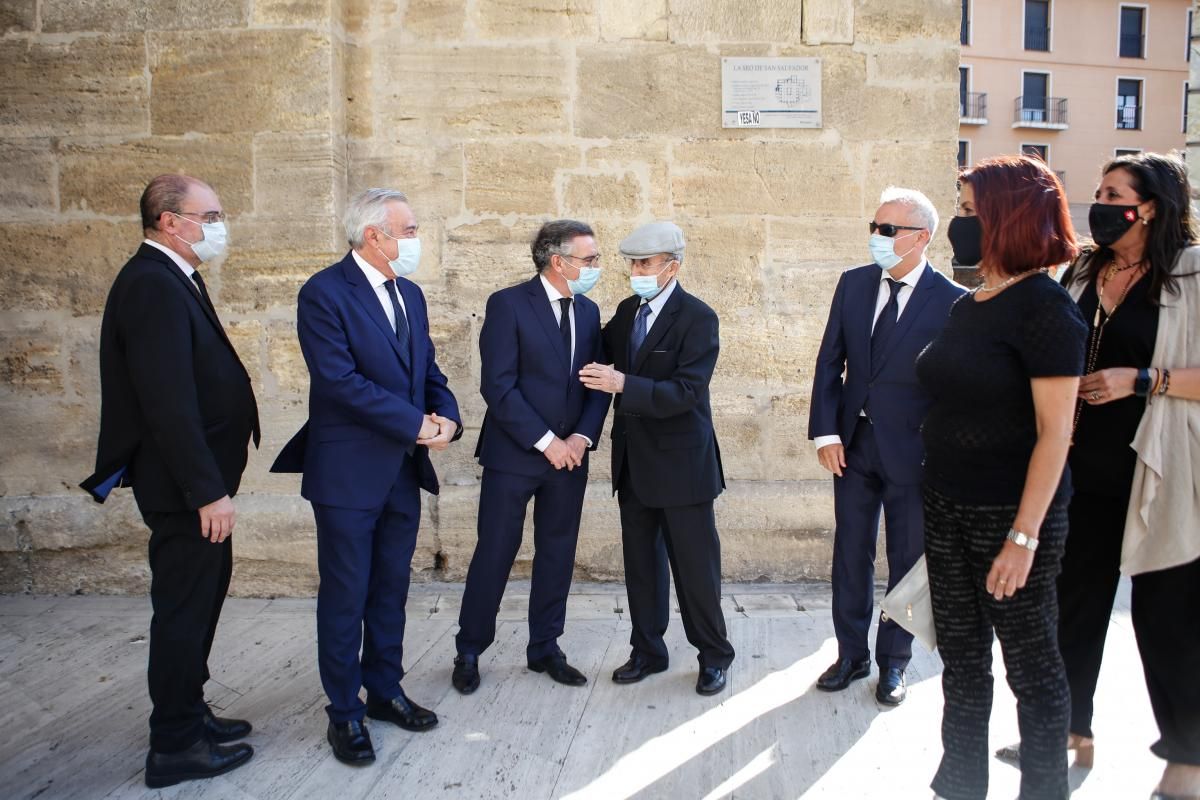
x,y
1022,540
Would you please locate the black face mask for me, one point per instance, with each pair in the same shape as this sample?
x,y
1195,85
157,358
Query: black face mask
x,y
966,238
1109,223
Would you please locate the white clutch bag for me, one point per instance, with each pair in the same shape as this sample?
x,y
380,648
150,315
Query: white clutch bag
x,y
910,606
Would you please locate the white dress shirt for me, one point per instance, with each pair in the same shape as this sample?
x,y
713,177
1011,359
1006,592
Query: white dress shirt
x,y
187,269
378,282
907,285
553,296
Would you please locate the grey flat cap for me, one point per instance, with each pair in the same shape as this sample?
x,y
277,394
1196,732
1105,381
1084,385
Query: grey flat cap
x,y
652,239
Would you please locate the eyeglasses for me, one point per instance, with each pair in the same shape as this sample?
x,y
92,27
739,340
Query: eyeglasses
x,y
890,230
590,261
207,216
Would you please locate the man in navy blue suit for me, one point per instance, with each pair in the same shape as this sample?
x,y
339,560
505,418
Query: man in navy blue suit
x,y
377,404
540,424
866,427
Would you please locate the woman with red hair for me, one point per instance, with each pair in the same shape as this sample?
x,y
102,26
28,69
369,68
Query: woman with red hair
x,y
1003,375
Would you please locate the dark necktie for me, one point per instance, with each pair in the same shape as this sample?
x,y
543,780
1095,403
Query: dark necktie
x,y
885,325
564,323
402,334
203,291
639,332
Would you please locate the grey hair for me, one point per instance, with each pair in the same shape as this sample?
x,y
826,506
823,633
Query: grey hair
x,y
368,209
916,202
555,239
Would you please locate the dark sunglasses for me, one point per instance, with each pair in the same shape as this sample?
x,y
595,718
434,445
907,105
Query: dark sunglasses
x,y
890,230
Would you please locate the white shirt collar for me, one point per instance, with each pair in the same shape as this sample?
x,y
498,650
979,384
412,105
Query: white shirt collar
x,y
554,295
187,268
661,298
911,278
374,276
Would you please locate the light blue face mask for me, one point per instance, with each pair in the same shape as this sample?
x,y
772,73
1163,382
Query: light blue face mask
x,y
646,286
883,249
585,281
408,255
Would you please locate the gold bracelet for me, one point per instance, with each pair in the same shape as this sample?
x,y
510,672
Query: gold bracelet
x,y
1166,383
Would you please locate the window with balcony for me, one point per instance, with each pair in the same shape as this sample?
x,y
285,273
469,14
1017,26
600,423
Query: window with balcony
x,y
1037,25
1133,32
964,154
964,33
1035,108
1129,104
972,106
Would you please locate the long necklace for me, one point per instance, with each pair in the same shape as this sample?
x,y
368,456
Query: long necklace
x,y
1100,321
982,288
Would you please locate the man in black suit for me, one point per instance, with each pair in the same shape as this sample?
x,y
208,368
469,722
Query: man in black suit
x,y
177,411
666,465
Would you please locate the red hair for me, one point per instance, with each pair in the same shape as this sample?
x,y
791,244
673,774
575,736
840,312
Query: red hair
x,y
1023,213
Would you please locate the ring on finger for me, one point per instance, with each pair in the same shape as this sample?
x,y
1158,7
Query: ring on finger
x,y
1095,395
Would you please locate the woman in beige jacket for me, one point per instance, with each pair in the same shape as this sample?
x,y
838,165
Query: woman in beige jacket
x,y
1135,459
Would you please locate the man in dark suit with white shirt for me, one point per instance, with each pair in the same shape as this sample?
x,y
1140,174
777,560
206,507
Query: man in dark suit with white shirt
x,y
177,412
540,424
666,465
866,427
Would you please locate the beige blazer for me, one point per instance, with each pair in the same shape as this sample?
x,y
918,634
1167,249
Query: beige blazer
x,y
1162,527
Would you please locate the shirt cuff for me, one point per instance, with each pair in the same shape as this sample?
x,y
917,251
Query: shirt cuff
x,y
586,439
544,442
825,441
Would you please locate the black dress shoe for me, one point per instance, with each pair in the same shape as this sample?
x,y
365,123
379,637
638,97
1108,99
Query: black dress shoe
x,y
892,688
204,759
403,712
636,668
222,730
351,742
558,669
466,673
842,673
711,680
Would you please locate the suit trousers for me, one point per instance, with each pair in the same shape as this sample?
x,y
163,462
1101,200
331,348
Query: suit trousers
x,y
961,542
364,558
189,579
693,547
503,498
858,496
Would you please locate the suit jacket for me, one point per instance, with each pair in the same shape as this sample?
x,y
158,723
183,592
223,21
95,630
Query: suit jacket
x,y
366,402
529,382
176,406
662,422
898,403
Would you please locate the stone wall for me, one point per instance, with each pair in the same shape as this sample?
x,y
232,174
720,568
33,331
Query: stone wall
x,y
494,115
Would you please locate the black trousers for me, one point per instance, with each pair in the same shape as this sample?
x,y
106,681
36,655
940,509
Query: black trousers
x,y
694,552
1166,605
961,542
189,579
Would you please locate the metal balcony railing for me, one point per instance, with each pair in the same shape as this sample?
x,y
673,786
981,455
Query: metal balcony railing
x,y
1040,112
1133,45
972,106
1037,38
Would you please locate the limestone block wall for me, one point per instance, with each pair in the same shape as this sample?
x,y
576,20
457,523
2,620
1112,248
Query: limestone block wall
x,y
494,116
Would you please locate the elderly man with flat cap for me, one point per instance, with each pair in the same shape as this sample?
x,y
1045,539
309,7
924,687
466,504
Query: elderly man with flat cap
x,y
666,465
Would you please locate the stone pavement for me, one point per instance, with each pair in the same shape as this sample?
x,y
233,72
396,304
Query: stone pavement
x,y
73,709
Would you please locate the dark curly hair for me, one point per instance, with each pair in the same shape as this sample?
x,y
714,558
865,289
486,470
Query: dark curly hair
x,y
554,237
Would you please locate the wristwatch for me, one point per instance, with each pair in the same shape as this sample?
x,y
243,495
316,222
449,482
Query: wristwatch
x,y
1022,540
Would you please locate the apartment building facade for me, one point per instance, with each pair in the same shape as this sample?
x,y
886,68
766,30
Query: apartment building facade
x,y
1075,82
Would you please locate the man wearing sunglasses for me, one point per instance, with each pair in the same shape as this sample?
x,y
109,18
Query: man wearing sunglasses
x,y
866,427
